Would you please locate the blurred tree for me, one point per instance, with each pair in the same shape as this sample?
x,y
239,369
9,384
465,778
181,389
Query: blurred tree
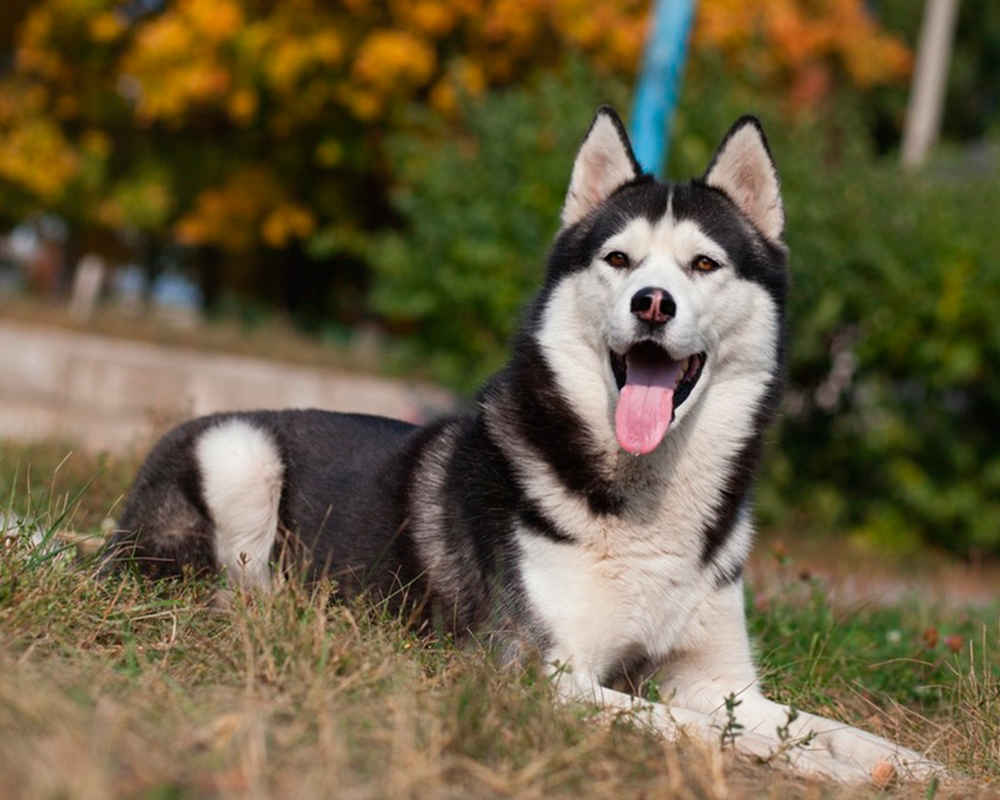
x,y
244,128
252,131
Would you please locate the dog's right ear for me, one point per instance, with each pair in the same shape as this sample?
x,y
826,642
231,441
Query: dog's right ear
x,y
604,162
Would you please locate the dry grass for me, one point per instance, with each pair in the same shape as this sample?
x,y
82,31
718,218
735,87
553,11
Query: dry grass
x,y
120,689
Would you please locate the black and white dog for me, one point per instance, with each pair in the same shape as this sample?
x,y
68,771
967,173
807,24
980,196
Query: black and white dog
x,y
595,508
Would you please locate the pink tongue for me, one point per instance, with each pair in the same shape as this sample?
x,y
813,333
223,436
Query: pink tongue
x,y
645,406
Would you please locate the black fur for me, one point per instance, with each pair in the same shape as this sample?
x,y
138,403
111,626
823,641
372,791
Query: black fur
x,y
350,494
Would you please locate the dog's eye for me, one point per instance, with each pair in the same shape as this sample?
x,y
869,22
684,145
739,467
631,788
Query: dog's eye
x,y
617,259
704,264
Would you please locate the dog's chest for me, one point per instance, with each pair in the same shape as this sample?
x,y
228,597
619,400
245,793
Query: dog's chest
x,y
599,610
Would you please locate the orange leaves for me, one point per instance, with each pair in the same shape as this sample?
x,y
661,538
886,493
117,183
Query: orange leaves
x,y
289,82
177,59
301,58
614,32
291,55
106,27
217,20
252,205
394,59
463,77
242,105
35,154
432,18
795,42
286,222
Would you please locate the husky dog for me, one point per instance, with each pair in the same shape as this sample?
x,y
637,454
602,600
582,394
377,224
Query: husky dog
x,y
596,506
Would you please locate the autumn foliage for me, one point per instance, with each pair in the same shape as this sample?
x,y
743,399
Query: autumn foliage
x,y
249,124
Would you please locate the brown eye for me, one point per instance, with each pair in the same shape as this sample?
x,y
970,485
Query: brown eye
x,y
704,264
617,259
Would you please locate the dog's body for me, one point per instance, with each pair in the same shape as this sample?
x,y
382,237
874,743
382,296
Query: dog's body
x,y
595,508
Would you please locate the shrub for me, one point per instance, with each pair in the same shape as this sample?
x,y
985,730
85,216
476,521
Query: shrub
x,y
481,207
888,423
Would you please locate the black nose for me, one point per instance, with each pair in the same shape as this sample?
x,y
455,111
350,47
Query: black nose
x,y
653,305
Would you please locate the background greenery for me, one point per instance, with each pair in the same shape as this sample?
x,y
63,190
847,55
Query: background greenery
x,y
403,163
889,426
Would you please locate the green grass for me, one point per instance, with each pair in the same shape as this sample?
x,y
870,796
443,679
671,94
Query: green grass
x,y
121,689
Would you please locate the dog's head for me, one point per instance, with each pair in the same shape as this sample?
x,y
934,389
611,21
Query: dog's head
x,y
655,291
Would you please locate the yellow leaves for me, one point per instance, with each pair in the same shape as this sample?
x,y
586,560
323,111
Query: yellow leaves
x,y
792,40
250,207
34,152
165,39
433,18
294,55
242,105
726,23
878,60
288,221
613,31
19,101
38,60
444,98
301,56
464,77
364,104
35,155
327,47
513,22
388,63
320,68
106,27
394,59
96,143
470,76
329,152
217,20
179,59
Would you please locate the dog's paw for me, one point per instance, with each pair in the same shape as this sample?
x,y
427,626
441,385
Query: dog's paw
x,y
850,755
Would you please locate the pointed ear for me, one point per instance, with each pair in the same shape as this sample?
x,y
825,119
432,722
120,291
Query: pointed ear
x,y
743,168
604,162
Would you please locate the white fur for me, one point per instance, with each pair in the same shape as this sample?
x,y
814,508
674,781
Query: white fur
x,y
635,583
743,169
241,477
602,165
733,320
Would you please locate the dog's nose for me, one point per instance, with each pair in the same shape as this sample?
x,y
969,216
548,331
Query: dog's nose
x,y
653,305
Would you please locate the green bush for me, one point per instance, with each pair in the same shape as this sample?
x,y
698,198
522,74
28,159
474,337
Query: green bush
x,y
894,391
481,206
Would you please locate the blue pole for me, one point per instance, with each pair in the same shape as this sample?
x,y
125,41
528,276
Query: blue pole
x,y
659,82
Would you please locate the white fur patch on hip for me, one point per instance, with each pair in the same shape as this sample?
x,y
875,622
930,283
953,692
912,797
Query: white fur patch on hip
x,y
241,477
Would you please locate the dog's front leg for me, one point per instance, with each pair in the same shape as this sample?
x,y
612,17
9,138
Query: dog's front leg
x,y
668,721
712,673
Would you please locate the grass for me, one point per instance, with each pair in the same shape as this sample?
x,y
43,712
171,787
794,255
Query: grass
x,y
122,689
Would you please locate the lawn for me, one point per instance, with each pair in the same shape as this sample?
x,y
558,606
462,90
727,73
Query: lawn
x,y
123,689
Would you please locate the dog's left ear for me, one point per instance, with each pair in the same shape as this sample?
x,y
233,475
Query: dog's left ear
x,y
604,162
743,168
